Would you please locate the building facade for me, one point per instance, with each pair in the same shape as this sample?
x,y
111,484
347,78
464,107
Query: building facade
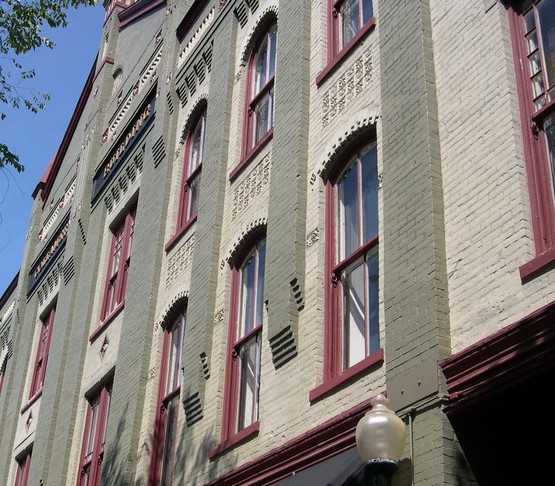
x,y
265,212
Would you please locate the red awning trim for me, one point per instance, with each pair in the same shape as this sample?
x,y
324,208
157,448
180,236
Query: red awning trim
x,y
501,361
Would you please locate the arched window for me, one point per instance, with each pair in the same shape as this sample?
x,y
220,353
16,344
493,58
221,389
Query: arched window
x,y
244,346
165,428
260,91
192,165
352,331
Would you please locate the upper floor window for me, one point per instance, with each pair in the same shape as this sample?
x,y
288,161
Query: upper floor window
x,y
94,437
244,344
23,466
352,331
192,164
533,33
260,91
118,266
165,429
43,348
348,19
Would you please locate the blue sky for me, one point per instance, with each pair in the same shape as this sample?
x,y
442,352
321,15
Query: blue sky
x,y
62,72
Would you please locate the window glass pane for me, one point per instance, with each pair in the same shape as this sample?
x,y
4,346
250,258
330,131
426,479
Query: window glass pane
x,y
537,85
263,116
118,241
170,441
260,66
350,20
197,145
348,212
546,13
529,21
248,383
272,51
260,283
372,270
369,169
193,190
367,11
173,380
535,63
532,41
91,434
549,129
247,294
353,314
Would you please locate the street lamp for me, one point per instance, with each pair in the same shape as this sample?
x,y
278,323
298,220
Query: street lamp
x,y
380,439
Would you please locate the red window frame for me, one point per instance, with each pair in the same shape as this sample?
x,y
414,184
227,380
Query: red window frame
x,y
260,92
352,328
536,94
3,370
192,166
43,348
118,266
338,21
241,397
164,442
23,467
338,47
94,437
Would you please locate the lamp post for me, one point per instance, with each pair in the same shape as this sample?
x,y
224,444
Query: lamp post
x,y
380,439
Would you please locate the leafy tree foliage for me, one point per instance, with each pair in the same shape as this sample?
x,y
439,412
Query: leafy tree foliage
x,y
21,30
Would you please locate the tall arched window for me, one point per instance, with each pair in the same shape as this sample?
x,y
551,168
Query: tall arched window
x,y
192,165
352,269
244,347
260,91
165,429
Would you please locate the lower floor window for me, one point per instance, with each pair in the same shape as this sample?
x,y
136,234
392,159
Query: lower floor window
x,y
23,466
92,450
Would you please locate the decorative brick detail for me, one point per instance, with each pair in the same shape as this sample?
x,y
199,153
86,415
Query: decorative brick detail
x,y
194,40
62,203
151,373
174,307
219,317
69,270
249,229
147,77
312,237
256,25
126,178
180,260
343,136
51,282
195,75
205,365
193,409
283,346
158,151
251,187
347,87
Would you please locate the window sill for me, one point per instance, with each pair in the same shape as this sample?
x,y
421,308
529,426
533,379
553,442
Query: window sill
x,y
239,437
180,232
106,322
537,265
330,385
251,154
338,58
31,400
